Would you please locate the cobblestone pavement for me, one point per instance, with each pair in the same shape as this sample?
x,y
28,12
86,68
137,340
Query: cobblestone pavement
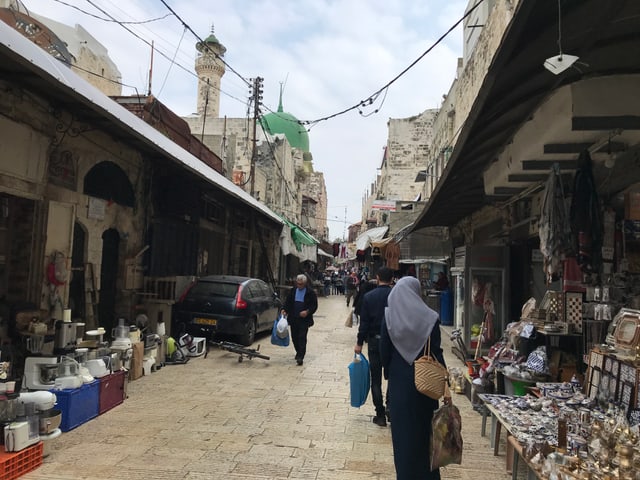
x,y
217,418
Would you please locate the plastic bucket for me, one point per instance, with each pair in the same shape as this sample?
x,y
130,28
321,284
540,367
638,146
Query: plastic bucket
x,y
516,387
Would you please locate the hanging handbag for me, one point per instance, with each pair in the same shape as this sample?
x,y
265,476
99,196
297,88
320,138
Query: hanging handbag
x,y
446,437
349,321
430,375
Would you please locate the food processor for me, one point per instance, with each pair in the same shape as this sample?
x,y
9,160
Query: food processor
x,y
68,374
121,344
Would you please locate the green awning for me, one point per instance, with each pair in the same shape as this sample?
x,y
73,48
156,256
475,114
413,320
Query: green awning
x,y
299,235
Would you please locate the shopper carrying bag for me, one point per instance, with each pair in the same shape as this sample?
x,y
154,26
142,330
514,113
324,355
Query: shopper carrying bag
x,y
409,324
430,375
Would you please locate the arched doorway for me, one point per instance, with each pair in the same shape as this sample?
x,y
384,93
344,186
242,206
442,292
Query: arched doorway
x,y
108,279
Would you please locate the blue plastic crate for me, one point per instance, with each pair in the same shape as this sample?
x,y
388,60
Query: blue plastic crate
x,y
78,405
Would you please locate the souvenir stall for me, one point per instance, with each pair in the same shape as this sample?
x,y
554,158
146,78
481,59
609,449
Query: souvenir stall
x,y
566,374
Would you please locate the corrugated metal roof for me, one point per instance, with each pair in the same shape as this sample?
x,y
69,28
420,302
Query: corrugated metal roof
x,y
34,67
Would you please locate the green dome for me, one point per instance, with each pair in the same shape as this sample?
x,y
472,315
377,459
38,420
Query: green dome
x,y
211,41
285,123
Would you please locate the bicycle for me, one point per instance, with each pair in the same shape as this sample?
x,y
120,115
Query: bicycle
x,y
459,348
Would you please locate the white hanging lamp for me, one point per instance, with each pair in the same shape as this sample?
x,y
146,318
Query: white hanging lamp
x,y
560,62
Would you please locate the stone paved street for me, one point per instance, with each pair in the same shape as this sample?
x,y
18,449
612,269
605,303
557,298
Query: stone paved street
x,y
217,418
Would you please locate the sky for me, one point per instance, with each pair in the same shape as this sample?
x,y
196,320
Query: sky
x,y
329,55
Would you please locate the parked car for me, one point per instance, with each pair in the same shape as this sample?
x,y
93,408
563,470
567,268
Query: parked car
x,y
223,304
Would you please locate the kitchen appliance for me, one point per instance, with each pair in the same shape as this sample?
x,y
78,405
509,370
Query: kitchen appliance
x,y
121,346
40,372
69,375
19,435
49,421
121,331
41,400
95,338
49,418
65,337
97,367
24,431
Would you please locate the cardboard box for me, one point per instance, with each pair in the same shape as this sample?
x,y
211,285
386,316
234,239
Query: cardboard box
x,y
136,361
632,206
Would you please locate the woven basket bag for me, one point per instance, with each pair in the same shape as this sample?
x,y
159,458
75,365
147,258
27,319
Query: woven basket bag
x,y
430,375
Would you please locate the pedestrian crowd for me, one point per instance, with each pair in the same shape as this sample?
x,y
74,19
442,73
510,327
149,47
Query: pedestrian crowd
x,y
397,325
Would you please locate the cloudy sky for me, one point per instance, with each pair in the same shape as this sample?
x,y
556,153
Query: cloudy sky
x,y
330,55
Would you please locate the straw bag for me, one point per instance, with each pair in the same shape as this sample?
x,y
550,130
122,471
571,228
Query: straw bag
x,y
430,375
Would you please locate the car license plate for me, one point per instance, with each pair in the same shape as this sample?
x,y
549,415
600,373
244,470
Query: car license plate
x,y
205,321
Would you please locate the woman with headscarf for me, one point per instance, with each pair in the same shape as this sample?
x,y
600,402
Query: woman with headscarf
x,y
408,325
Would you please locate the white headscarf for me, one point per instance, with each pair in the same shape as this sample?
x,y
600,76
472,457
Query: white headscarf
x,y
409,320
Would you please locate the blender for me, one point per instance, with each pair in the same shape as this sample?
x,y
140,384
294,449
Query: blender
x,y
121,344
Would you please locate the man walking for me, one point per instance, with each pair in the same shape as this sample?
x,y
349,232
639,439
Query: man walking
x,y
371,318
352,282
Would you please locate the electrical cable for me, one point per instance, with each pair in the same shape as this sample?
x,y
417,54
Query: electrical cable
x,y
112,19
139,37
172,62
185,25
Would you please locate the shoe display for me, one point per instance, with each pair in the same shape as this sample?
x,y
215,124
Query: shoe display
x,y
380,420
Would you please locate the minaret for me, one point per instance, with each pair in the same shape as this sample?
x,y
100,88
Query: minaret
x,y
210,69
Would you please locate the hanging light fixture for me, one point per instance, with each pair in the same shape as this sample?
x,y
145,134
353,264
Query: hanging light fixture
x,y
559,63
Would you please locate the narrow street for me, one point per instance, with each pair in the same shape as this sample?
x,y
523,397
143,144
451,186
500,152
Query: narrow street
x,y
217,418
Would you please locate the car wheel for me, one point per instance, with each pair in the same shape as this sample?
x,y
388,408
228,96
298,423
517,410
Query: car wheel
x,y
248,338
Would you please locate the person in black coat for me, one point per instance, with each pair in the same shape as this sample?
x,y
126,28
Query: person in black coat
x,y
408,325
300,305
371,312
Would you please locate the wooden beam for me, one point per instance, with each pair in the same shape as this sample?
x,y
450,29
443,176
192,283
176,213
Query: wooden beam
x,y
606,122
580,147
507,191
527,177
546,165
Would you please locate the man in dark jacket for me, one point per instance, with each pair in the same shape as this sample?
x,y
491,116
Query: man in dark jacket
x,y
371,318
299,307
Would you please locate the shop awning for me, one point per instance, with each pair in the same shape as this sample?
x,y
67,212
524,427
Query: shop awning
x,y
322,253
365,239
295,240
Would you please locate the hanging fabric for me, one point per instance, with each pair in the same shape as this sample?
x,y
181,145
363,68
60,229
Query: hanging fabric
x,y
554,231
586,217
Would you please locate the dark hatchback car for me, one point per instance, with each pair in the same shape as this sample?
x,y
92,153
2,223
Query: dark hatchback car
x,y
229,305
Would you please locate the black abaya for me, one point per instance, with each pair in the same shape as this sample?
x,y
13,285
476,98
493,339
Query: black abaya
x,y
411,412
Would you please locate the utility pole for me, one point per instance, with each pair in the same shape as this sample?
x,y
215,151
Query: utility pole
x,y
257,99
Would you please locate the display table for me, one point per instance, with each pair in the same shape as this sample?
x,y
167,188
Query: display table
x,y
532,473
521,424
497,421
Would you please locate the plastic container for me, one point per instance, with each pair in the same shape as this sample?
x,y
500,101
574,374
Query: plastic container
x,y
446,308
78,405
516,387
111,391
16,464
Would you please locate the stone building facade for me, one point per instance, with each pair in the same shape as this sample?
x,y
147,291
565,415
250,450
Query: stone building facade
x,y
276,165
401,176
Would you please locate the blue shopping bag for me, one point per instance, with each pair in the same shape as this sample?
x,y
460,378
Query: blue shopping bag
x,y
277,337
359,380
